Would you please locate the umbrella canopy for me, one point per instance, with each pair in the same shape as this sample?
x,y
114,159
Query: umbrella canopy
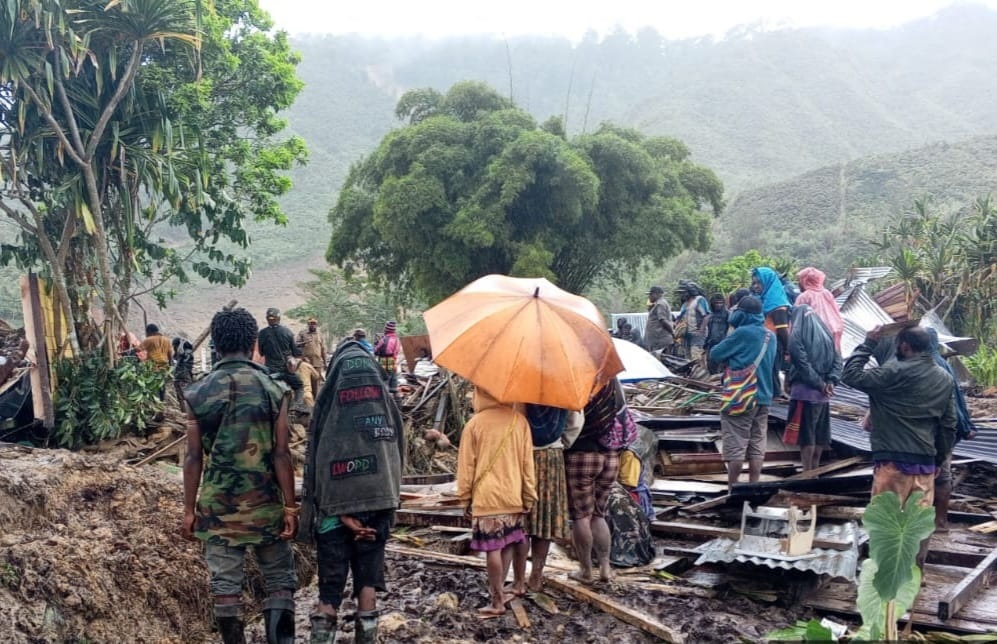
x,y
524,340
639,364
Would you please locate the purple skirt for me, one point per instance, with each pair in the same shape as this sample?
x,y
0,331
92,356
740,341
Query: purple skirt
x,y
496,532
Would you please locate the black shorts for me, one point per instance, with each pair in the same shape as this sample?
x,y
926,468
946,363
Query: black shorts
x,y
339,552
815,424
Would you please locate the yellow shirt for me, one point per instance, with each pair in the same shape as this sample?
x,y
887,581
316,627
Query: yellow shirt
x,y
158,348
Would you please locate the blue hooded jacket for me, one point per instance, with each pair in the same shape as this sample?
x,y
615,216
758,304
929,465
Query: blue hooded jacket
x,y
741,347
773,292
964,424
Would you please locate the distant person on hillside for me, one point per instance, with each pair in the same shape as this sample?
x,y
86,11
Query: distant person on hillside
x,y
360,336
620,323
767,284
238,481
313,353
159,351
821,301
387,350
183,366
659,334
157,347
276,345
630,334
744,427
716,330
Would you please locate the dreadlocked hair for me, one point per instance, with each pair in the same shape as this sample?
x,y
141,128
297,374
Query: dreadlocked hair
x,y
233,331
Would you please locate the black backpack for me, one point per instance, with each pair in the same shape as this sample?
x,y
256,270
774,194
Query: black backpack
x,y
546,423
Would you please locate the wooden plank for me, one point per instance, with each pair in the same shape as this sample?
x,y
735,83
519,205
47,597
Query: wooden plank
x,y
958,596
785,498
825,469
695,487
426,518
428,479
622,613
520,613
693,529
696,508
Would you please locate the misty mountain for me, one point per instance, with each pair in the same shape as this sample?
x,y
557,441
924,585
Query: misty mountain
x,y
830,215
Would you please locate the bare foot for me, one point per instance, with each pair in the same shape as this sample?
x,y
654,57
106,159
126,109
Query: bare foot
x,y
606,575
580,577
490,612
515,592
535,585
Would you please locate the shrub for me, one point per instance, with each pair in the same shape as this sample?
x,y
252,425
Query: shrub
x,y
983,366
95,401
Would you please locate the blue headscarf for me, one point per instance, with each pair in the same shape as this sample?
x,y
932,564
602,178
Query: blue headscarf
x,y
773,293
964,425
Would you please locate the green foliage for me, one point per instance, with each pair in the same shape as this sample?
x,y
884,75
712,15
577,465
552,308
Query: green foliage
x,y
735,273
983,366
809,631
95,402
947,260
873,607
890,578
473,186
342,302
145,134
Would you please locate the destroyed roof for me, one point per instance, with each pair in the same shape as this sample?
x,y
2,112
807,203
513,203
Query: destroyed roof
x,y
836,563
860,275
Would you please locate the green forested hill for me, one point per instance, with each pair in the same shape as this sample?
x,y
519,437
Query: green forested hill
x,y
829,216
757,106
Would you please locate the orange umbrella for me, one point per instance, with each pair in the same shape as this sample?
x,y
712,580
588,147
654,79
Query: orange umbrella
x,y
524,340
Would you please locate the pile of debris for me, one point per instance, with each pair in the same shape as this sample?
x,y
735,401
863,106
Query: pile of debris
x,y
90,549
435,406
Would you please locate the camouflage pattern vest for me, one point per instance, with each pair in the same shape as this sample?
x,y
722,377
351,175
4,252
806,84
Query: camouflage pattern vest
x,y
236,407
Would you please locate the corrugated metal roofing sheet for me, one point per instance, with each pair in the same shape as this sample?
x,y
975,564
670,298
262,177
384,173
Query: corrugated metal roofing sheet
x,y
836,563
861,275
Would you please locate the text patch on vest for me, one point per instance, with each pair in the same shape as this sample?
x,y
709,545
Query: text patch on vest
x,y
375,426
357,466
355,395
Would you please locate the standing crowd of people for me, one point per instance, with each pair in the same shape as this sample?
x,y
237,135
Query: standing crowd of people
x,y
527,475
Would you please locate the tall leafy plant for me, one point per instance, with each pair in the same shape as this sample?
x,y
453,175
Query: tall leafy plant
x,y
890,577
96,401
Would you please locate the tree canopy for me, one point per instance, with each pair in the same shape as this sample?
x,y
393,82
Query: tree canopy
x,y
472,185
138,137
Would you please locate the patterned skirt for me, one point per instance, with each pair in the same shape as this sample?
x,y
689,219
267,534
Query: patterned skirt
x,y
496,532
549,518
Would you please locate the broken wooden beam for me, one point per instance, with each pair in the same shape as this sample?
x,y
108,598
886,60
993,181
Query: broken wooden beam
x,y
826,469
965,589
696,508
427,518
617,610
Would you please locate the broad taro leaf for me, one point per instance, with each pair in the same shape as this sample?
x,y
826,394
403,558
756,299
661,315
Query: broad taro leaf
x,y
895,534
817,632
871,606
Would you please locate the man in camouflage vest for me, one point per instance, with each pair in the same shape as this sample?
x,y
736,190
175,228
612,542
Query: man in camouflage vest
x,y
238,480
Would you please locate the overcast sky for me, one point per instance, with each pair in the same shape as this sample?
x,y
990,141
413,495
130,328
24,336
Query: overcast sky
x,y
572,18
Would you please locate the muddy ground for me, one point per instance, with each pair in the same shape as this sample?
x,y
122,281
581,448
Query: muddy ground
x,y
430,602
89,551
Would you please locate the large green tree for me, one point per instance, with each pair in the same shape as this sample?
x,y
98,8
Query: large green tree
x,y
138,137
472,185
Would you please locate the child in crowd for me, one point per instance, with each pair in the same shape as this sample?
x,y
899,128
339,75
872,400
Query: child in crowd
x,y
496,481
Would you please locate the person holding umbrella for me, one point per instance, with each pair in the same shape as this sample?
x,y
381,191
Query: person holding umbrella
x,y
496,482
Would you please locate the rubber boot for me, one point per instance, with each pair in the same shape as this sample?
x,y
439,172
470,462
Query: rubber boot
x,y
323,629
278,617
366,626
230,624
